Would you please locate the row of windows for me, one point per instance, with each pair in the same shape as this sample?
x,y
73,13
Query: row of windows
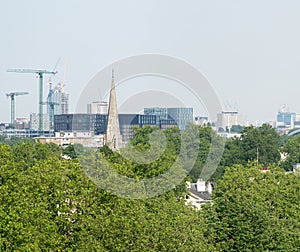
x,y
99,123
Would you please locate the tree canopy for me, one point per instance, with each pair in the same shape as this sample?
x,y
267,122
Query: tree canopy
x,y
255,211
49,203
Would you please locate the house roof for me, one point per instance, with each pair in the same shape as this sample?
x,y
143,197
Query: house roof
x,y
202,195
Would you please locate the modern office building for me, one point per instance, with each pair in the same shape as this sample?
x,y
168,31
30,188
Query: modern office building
x,y
73,122
285,118
161,112
98,107
181,116
227,119
97,123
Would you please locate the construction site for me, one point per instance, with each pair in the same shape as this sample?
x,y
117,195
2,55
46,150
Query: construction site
x,y
40,123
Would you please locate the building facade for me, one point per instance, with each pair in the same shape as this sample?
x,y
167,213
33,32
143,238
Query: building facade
x,y
57,102
98,107
34,122
181,116
286,120
97,123
227,119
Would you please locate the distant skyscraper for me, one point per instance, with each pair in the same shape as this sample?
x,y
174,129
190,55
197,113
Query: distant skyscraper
x,y
113,137
227,119
286,119
181,115
60,99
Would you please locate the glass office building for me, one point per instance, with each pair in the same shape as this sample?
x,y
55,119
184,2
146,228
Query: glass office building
x,y
181,116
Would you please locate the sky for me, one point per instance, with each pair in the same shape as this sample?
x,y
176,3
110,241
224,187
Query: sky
x,y
248,50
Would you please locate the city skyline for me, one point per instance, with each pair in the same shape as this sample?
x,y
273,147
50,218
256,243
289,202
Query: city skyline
x,y
248,51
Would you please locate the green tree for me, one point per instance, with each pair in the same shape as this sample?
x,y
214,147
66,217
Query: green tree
x,y
292,151
263,141
209,141
236,128
260,144
49,204
73,150
255,211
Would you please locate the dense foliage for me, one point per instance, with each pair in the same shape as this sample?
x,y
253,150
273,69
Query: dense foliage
x,y
255,211
261,145
48,203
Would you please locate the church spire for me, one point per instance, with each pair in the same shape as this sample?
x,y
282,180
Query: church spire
x,y
113,137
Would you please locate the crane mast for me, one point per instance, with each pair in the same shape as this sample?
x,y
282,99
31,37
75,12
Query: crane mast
x,y
51,105
12,106
40,73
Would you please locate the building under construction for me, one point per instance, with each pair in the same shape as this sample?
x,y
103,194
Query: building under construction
x,y
57,100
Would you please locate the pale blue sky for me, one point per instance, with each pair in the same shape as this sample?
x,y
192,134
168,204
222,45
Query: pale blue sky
x,y
249,50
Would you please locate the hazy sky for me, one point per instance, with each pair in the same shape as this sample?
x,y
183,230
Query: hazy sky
x,y
248,50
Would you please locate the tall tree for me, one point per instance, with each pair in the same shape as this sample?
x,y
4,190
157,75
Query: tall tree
x,y
255,211
261,144
291,151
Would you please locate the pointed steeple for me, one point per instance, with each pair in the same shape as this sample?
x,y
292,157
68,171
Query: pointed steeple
x,y
113,138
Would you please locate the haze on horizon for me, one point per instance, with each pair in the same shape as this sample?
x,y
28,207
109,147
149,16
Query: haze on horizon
x,y
249,51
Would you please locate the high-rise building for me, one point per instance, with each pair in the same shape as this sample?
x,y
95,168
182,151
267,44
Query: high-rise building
x,y
286,120
58,100
181,116
227,119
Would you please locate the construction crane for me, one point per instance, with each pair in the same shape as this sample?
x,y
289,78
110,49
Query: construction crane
x,y
40,74
12,106
51,105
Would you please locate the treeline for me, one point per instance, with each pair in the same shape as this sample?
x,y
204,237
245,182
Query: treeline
x,y
48,203
261,145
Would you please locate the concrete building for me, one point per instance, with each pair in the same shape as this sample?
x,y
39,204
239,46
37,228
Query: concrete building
x,y
67,138
199,193
98,107
34,122
24,133
59,100
227,119
22,123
